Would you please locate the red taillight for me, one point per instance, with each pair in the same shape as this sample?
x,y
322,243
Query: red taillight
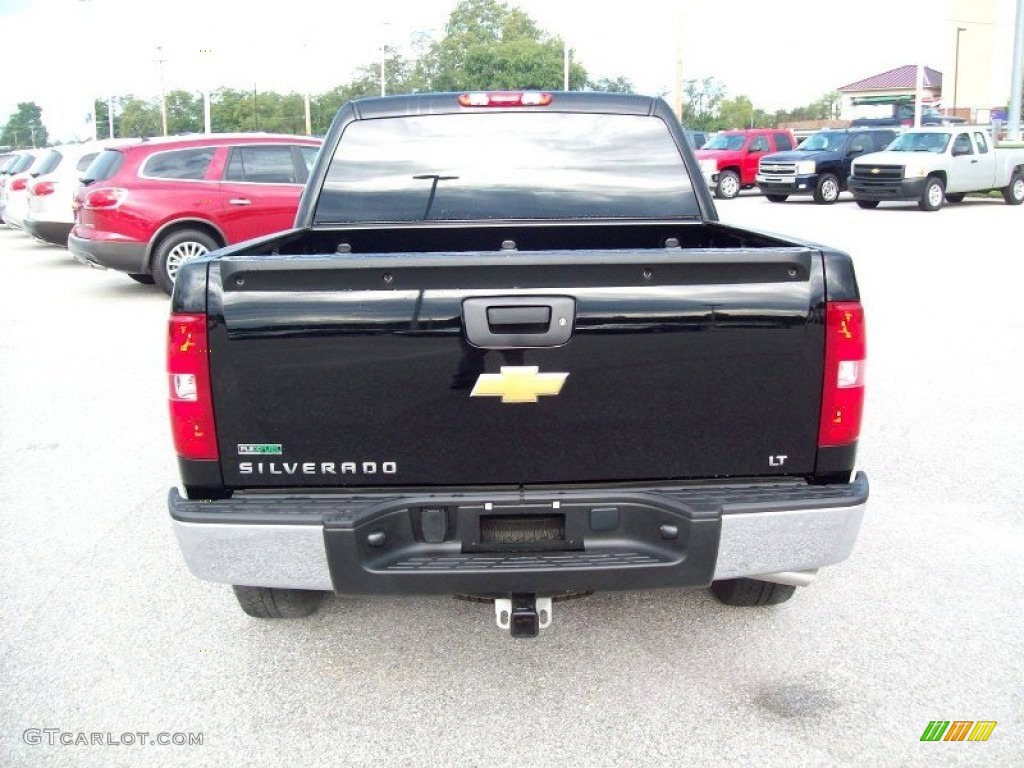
x,y
842,397
108,197
41,188
188,368
19,184
504,99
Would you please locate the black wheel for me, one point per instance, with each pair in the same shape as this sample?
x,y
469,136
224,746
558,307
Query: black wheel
x,y
827,191
144,279
956,197
747,592
273,603
174,250
867,203
933,195
728,185
1013,193
777,198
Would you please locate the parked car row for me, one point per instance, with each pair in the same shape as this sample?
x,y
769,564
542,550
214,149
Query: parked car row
x,y
145,206
875,164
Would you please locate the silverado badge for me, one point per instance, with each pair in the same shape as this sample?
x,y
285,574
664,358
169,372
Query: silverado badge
x,y
518,384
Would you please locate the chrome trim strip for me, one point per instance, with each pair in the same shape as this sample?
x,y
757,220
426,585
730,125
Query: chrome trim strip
x,y
287,556
761,543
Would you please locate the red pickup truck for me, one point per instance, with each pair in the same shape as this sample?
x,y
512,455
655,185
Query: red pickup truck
x,y
729,160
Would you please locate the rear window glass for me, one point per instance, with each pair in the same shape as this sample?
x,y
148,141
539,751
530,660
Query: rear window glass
x,y
47,163
22,164
309,157
262,165
506,165
179,164
104,166
783,142
84,161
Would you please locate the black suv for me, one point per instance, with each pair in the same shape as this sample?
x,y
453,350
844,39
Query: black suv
x,y
820,166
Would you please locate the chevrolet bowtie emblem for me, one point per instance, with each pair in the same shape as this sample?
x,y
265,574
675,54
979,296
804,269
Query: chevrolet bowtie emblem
x,y
876,170
518,384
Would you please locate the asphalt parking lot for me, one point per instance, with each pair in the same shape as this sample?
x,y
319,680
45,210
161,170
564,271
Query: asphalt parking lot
x,y
105,631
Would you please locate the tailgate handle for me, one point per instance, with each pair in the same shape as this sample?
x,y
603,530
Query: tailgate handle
x,y
501,322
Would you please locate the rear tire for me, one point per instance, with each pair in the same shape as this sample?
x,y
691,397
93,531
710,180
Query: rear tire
x,y
777,198
956,197
827,191
867,204
933,194
744,593
728,185
1013,193
142,278
174,250
274,603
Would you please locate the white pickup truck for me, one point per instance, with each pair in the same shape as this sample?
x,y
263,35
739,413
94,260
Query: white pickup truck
x,y
938,164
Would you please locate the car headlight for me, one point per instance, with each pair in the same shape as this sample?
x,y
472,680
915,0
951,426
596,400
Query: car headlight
x,y
709,165
915,171
806,166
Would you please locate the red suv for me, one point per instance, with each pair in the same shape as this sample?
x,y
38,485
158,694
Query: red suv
x,y
148,207
729,160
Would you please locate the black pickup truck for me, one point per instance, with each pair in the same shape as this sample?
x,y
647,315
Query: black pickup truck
x,y
509,352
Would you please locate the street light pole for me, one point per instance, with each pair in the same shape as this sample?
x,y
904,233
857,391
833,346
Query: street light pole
x,y
163,93
565,65
1013,119
383,51
956,66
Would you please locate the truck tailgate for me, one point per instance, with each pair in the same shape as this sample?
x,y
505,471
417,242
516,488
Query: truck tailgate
x,y
340,370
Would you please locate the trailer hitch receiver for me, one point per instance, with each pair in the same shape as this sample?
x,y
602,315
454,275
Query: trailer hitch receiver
x,y
523,615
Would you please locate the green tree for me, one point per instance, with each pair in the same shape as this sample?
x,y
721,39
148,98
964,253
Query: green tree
x,y
736,113
25,127
488,45
618,85
184,112
824,108
139,118
324,106
701,100
233,110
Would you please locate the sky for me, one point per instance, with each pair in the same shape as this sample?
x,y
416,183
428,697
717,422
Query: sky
x,y
63,53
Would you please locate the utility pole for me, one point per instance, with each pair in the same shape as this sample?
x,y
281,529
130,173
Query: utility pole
x,y
1013,119
565,65
309,121
110,114
383,51
918,95
163,95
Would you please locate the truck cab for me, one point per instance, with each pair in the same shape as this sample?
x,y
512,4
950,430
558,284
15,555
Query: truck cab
x,y
729,160
820,166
